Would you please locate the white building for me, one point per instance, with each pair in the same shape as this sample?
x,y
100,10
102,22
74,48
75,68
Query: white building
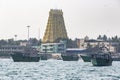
x,y
53,47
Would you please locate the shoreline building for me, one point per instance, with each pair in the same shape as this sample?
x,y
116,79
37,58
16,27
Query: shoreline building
x,y
53,47
55,27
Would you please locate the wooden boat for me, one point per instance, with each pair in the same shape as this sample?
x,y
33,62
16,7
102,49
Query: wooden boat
x,y
28,55
86,57
102,57
69,57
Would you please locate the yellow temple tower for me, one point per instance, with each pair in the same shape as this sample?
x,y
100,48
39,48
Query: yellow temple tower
x,y
55,27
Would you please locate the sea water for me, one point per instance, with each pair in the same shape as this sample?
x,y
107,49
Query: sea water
x,y
57,70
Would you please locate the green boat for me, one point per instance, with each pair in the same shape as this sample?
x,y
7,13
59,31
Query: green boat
x,y
101,59
20,57
28,55
86,57
70,57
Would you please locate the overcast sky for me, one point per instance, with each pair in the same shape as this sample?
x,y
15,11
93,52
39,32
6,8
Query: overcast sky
x,y
82,17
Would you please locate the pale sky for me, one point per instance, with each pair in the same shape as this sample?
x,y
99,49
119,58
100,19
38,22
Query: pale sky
x,y
82,17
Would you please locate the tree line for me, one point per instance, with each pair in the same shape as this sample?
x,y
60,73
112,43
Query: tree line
x,y
69,42
112,39
33,41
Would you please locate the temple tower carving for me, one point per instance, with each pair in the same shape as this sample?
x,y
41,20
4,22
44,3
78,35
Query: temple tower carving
x,y
55,27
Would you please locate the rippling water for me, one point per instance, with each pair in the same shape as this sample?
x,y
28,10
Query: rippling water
x,y
57,70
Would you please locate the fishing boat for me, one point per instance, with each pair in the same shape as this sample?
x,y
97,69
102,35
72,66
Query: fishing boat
x,y
28,55
102,58
86,57
70,57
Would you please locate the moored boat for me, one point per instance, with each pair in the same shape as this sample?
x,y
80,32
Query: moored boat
x,y
86,57
20,57
28,55
101,59
70,57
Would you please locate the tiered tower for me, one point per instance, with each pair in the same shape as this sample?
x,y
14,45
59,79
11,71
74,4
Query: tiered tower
x,y
55,27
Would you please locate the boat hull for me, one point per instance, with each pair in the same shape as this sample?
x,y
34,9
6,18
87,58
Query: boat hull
x,y
86,58
22,58
101,62
68,57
